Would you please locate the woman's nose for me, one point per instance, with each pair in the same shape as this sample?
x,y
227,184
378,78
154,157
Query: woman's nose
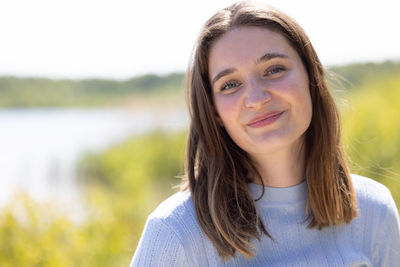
x,y
257,95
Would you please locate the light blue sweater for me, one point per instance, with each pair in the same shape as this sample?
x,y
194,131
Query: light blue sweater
x,y
173,237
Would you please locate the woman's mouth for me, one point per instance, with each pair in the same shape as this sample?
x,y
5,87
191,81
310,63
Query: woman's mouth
x,y
265,120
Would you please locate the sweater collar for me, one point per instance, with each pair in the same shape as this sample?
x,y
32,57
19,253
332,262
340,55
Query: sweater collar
x,y
279,195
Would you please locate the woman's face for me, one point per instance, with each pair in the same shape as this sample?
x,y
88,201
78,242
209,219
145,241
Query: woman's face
x,y
260,89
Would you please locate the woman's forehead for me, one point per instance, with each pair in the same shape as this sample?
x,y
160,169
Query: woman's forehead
x,y
247,45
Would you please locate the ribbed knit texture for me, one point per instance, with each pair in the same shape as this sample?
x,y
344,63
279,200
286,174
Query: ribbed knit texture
x,y
173,237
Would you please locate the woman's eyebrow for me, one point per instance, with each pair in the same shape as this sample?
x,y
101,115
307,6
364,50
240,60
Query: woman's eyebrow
x,y
222,74
269,56
264,58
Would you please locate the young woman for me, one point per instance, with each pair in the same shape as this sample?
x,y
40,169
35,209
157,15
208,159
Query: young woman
x,y
267,182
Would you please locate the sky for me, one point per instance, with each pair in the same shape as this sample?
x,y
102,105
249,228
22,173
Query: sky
x,y
119,39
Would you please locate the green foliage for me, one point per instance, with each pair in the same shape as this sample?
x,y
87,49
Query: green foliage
x,y
155,157
358,74
372,131
40,92
37,235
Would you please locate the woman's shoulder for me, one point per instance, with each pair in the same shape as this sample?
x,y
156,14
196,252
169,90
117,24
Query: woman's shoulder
x,y
177,213
379,217
174,207
370,192
172,229
374,200
165,231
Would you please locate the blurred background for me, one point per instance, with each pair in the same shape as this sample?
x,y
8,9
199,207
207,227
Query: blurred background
x,y
93,119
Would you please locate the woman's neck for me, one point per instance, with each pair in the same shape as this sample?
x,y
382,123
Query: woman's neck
x,y
283,168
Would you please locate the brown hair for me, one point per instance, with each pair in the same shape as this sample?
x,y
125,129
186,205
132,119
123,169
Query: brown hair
x,y
218,171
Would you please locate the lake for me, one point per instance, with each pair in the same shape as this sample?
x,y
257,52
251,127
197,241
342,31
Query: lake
x,y
40,147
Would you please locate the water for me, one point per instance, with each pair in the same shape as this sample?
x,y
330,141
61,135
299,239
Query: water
x,y
39,147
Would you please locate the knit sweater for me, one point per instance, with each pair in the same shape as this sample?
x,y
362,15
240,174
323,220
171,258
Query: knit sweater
x,y
173,237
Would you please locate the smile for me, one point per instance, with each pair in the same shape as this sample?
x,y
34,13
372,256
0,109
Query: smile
x,y
265,120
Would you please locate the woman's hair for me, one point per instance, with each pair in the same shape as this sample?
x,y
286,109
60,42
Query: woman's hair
x,y
218,171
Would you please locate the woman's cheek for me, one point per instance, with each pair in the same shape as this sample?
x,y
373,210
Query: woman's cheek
x,y
228,106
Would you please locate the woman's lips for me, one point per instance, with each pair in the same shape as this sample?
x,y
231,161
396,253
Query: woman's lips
x,y
265,119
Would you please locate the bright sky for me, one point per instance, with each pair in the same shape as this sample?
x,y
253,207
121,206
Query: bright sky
x,y
120,39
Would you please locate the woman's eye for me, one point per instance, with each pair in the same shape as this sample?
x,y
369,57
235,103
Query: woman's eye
x,y
274,70
230,85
